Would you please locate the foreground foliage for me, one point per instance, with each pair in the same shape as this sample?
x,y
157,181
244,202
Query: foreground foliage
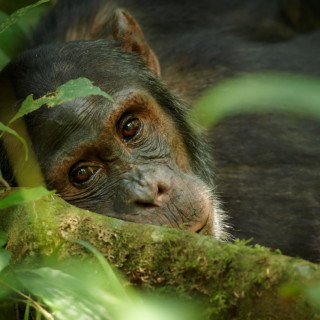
x,y
228,281
65,290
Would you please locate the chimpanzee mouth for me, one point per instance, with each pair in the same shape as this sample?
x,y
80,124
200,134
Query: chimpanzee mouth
x,y
146,205
199,231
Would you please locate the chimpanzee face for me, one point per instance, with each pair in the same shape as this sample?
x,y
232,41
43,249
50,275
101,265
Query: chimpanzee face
x,y
124,159
136,158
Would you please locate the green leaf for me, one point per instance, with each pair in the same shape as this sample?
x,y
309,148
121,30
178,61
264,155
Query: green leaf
x,y
313,294
4,258
27,312
259,92
11,41
69,91
132,307
3,17
84,293
67,296
4,128
28,22
14,37
3,238
4,60
114,283
13,18
23,196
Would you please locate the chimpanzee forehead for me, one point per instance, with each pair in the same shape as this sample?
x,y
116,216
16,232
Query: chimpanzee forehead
x,y
43,69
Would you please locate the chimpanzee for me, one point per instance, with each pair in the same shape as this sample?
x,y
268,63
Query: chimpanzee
x,y
138,158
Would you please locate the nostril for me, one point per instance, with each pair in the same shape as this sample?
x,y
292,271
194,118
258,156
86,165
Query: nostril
x,y
160,190
163,194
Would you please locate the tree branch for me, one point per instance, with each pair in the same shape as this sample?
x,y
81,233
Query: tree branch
x,y
231,281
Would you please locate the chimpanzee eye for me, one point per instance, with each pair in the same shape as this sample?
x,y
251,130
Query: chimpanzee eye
x,y
131,128
83,174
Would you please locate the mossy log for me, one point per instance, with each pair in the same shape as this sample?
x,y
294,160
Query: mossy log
x,y
230,281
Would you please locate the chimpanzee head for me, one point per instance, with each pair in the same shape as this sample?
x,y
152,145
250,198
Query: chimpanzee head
x,y
136,158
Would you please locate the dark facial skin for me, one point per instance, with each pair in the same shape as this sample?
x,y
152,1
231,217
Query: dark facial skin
x,y
132,166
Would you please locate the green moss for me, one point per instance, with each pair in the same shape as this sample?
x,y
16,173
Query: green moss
x,y
230,281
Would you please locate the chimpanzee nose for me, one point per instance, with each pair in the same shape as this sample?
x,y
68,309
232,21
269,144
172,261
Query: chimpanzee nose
x,y
150,193
146,188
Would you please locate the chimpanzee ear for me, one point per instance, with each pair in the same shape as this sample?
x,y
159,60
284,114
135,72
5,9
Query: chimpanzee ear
x,y
128,32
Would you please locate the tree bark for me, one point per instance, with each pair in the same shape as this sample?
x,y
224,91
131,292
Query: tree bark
x,y
230,281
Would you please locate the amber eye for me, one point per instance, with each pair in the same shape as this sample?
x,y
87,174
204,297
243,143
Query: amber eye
x,y
131,128
83,174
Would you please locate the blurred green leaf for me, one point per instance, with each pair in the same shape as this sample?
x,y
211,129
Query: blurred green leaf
x,y
67,296
11,41
3,17
4,128
114,284
4,59
259,92
13,18
313,294
84,293
72,89
4,258
310,290
27,312
3,238
15,32
23,196
75,289
132,306
31,18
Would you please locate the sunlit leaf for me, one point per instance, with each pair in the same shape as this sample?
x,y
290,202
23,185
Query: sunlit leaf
x,y
5,128
77,88
13,18
23,196
259,92
84,293
67,296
